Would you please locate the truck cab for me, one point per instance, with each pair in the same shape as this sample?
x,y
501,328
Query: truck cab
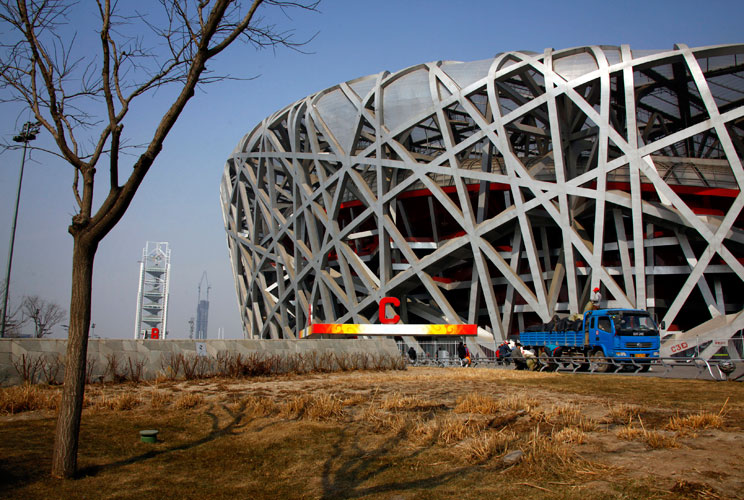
x,y
622,333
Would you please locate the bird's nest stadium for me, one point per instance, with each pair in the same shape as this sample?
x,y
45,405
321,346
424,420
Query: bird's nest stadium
x,y
499,192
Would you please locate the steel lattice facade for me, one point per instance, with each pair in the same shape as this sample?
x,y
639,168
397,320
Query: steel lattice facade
x,y
497,192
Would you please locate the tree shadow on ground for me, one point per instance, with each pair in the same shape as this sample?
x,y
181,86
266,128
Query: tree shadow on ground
x,y
349,467
216,432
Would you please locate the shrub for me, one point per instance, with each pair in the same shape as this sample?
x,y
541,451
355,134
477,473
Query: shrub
x,y
196,367
50,368
136,369
90,365
27,367
113,369
170,363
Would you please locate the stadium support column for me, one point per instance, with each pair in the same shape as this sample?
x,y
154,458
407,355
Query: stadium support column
x,y
482,210
636,211
650,282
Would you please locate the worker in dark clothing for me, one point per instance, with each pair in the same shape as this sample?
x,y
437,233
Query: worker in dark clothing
x,y
464,354
517,357
502,354
412,354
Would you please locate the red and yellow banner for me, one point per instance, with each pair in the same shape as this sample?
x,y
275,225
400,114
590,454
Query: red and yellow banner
x,y
388,330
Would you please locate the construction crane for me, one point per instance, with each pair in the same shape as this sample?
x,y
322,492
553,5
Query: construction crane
x,y
202,309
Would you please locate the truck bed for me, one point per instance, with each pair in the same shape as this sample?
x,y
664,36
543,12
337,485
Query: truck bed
x,y
568,338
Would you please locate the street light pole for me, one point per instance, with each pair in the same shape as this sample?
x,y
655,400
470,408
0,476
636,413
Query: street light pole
x,y
27,135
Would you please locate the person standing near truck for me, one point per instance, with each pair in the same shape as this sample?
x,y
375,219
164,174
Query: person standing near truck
x,y
412,354
517,357
464,354
594,299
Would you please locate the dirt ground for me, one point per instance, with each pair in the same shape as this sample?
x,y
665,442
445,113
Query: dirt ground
x,y
418,433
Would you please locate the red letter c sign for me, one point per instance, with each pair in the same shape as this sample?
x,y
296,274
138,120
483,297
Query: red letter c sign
x,y
383,318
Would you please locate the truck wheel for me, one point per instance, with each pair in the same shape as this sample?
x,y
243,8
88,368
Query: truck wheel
x,y
598,362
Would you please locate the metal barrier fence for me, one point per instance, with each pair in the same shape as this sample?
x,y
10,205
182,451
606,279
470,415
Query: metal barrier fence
x,y
444,354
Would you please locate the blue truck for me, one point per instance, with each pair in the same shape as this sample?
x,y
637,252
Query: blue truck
x,y
603,339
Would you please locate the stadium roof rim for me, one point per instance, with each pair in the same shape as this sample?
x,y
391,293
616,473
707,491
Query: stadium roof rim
x,y
576,65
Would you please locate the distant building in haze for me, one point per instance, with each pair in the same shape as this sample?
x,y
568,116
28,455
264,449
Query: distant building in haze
x,y
202,317
202,310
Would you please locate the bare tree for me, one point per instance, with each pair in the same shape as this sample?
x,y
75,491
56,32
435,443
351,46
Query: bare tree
x,y
83,94
15,319
45,315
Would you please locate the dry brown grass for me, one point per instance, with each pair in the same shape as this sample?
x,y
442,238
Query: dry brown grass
x,y
445,429
518,402
478,403
692,489
453,429
120,402
623,413
188,400
629,432
487,445
160,398
312,407
653,438
546,454
696,422
256,406
26,397
382,421
380,435
573,435
657,440
353,400
563,415
424,431
400,402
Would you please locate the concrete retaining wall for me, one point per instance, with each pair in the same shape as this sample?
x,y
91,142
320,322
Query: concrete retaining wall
x,y
151,352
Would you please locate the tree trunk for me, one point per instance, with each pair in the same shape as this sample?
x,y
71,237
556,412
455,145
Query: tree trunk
x,y
64,460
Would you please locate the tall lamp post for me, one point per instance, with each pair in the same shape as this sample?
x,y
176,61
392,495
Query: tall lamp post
x,y
28,134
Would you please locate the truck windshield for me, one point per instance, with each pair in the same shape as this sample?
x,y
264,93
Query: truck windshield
x,y
635,323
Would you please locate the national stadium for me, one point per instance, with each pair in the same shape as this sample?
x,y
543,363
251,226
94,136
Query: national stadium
x,y
499,193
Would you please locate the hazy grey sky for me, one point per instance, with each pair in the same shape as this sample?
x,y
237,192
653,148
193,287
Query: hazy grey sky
x,y
179,200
